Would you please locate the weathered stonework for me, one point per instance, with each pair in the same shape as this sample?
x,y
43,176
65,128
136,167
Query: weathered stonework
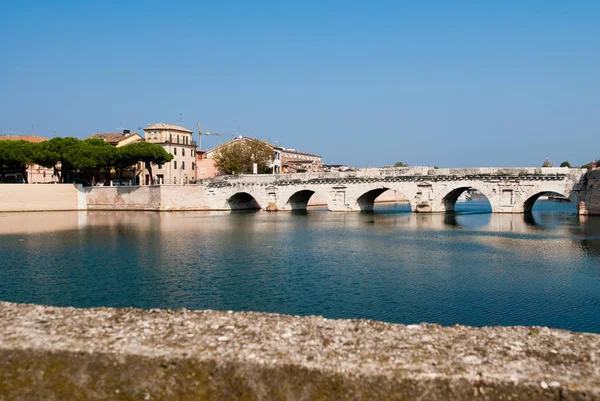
x,y
592,196
49,353
509,190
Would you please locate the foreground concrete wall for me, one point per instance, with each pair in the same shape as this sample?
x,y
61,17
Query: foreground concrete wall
x,y
40,197
51,353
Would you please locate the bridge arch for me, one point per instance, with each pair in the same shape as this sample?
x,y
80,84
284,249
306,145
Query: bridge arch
x,y
530,201
366,201
450,199
242,201
299,200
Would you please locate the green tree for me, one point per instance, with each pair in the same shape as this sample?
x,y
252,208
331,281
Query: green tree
x,y
400,164
92,156
57,151
16,156
238,157
144,152
565,164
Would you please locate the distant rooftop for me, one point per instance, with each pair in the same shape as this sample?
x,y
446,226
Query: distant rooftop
x,y
28,138
163,126
113,137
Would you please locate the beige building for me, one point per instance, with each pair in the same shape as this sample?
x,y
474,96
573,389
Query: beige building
x,y
177,141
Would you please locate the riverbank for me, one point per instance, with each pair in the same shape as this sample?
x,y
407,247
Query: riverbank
x,y
19,197
49,353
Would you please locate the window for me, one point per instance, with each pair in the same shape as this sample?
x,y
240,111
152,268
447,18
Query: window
x,y
193,166
177,138
183,165
175,151
187,140
175,164
160,166
170,137
183,152
202,170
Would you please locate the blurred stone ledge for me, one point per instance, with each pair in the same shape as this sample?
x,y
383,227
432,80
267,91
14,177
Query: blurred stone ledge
x,y
49,353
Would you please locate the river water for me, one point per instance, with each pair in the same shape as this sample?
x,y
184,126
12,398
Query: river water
x,y
471,268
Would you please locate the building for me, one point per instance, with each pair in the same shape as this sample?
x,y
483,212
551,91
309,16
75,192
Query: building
x,y
206,164
299,162
592,165
177,141
283,161
35,174
119,139
205,167
337,167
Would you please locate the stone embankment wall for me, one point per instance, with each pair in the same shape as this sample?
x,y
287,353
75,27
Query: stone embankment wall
x,y
150,198
592,199
49,353
41,197
123,198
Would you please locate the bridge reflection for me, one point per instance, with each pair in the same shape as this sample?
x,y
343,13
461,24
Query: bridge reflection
x,y
44,222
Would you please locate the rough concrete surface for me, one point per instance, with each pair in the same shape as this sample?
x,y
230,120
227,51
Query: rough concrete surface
x,y
49,353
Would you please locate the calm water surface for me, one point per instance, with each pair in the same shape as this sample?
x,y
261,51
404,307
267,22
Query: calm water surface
x,y
470,268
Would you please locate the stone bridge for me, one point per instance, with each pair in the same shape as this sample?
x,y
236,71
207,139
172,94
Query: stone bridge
x,y
509,190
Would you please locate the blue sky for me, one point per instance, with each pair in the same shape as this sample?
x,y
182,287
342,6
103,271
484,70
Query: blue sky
x,y
446,83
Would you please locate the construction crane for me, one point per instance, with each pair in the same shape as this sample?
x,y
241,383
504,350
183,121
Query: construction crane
x,y
206,133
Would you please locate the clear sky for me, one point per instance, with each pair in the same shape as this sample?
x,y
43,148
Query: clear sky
x,y
446,83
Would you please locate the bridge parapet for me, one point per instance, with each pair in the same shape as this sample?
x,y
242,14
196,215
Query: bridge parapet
x,y
404,172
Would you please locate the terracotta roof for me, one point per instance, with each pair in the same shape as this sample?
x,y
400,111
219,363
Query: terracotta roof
x,y
162,126
115,137
28,138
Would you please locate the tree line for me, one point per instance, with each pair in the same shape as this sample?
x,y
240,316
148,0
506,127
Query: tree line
x,y
72,158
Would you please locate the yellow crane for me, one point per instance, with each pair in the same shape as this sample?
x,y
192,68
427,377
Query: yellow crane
x,y
199,136
206,133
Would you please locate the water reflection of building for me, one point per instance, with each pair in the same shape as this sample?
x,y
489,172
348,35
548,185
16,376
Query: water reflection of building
x,y
41,222
560,236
